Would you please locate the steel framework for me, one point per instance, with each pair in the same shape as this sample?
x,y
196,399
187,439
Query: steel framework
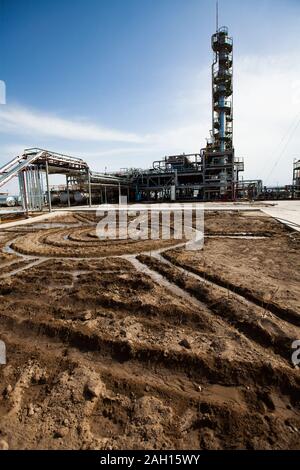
x,y
35,165
213,173
296,178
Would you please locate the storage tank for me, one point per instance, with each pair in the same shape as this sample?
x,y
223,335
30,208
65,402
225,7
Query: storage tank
x,y
8,201
63,197
18,200
79,197
54,198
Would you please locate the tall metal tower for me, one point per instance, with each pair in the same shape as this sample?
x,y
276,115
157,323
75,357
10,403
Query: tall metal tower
x,y
222,90
221,169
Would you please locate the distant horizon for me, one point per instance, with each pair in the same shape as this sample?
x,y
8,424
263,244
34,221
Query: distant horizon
x,y
123,83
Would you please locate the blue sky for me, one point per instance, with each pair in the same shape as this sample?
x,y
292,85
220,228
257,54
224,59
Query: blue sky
x,y
125,82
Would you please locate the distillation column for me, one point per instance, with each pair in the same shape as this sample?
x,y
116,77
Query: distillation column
x,y
222,90
219,177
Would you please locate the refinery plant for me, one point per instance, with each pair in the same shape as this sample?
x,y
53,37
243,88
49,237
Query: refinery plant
x,y
211,174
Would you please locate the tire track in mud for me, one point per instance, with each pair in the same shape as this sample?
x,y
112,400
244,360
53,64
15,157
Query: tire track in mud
x,y
123,348
255,332
124,390
279,336
28,265
204,369
287,315
136,374
215,396
279,343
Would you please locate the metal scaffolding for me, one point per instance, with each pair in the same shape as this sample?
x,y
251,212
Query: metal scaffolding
x,y
221,169
212,174
35,165
296,179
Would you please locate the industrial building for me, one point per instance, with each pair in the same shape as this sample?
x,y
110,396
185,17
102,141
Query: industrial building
x,y
212,174
296,179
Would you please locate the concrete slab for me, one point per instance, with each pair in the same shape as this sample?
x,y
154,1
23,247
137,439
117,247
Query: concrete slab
x,y
287,212
209,206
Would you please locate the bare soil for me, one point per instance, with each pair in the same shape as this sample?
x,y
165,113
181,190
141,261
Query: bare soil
x,y
139,345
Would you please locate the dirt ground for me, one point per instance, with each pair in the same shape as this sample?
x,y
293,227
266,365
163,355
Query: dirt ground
x,y
138,344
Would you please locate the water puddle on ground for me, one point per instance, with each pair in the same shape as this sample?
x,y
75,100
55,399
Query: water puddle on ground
x,y
162,281
8,250
239,236
23,268
48,225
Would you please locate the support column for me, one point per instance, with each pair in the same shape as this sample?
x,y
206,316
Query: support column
x,y
30,188
23,192
40,186
68,191
90,189
48,187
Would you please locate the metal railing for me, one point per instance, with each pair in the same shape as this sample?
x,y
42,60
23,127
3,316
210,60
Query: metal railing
x,y
50,153
222,75
226,56
222,40
224,104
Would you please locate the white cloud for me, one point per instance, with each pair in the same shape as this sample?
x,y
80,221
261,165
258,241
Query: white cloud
x,y
21,121
187,139
2,92
266,111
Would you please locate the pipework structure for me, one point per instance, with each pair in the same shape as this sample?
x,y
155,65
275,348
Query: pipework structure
x,y
212,173
34,166
296,178
221,168
222,102
206,175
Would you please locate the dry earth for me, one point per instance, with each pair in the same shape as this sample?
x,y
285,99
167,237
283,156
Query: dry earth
x,y
141,345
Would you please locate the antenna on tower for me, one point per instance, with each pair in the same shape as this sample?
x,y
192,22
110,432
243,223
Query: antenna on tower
x,y
217,15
